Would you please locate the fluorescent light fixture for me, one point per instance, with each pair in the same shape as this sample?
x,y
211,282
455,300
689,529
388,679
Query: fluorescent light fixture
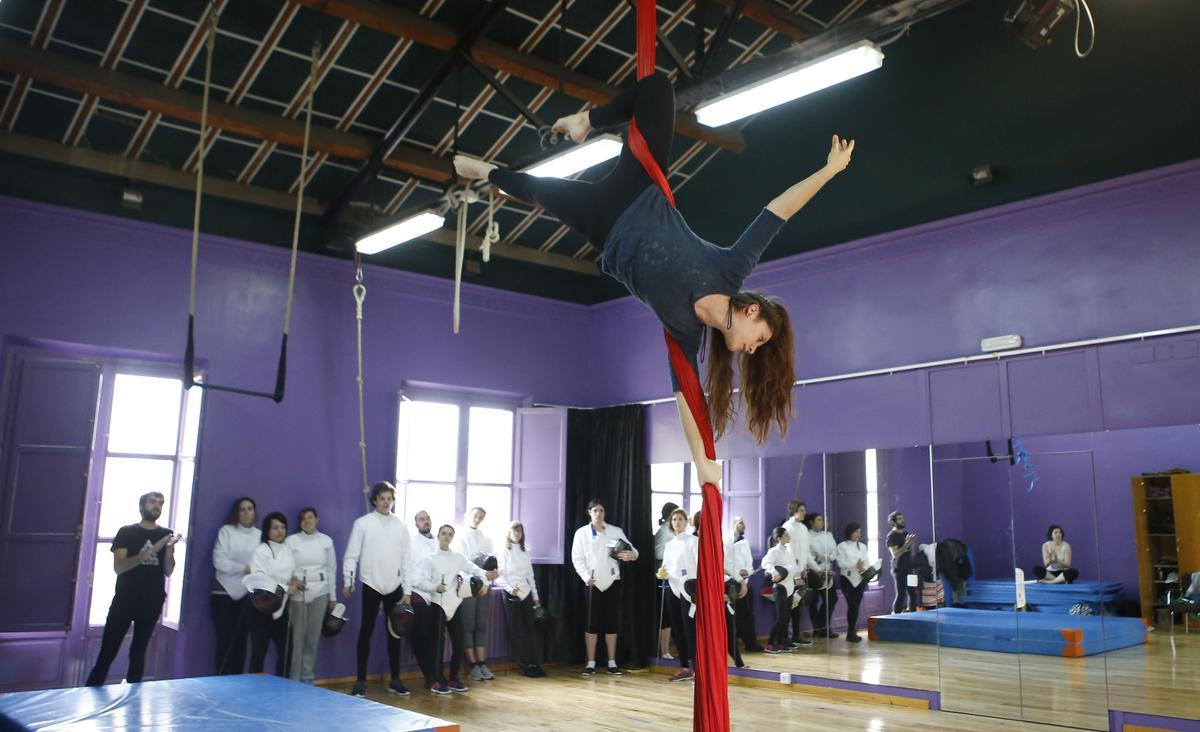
x,y
578,157
785,86
398,233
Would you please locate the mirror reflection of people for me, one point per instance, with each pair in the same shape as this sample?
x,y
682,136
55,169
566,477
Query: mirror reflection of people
x,y
737,553
904,565
798,544
783,587
1056,567
661,537
143,557
601,575
823,548
853,560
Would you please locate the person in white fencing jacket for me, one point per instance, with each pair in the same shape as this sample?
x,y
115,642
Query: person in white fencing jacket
x,y
378,554
520,599
444,580
316,567
595,552
471,542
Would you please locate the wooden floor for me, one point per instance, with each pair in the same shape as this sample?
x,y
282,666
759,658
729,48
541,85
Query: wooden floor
x,y
980,690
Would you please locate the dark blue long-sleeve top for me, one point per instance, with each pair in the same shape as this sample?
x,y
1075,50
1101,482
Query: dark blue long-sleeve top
x,y
652,251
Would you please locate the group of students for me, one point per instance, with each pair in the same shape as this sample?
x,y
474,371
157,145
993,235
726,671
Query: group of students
x,y
440,582
804,564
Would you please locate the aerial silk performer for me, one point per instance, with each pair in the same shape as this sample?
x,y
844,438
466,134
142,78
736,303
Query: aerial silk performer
x,y
694,287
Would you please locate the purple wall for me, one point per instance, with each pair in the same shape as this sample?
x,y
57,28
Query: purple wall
x,y
115,284
1095,512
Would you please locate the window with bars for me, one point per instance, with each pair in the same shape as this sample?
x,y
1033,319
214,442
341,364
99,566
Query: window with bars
x,y
150,429
453,455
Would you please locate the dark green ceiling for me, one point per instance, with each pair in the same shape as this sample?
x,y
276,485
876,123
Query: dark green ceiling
x,y
958,91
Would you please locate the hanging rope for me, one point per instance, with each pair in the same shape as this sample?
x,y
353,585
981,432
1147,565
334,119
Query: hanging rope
x,y
491,233
189,357
711,698
460,200
360,294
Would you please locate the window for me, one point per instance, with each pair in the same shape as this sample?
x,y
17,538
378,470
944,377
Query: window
x,y
872,483
452,456
149,445
669,483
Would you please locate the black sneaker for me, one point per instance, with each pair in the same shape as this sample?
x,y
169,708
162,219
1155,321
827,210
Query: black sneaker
x,y
614,671
801,643
397,688
588,671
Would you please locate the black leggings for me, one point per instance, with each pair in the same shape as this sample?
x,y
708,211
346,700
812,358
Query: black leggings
x,y
266,631
854,596
783,611
526,637
1042,573
372,600
820,610
683,628
229,617
592,208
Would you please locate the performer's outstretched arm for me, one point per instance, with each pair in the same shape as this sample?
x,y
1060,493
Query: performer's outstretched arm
x,y
709,470
793,199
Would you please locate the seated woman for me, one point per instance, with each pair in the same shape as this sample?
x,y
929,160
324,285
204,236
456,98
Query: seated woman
x,y
1056,559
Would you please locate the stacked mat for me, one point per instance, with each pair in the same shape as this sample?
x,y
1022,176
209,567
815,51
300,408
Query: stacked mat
x,y
1073,636
1001,595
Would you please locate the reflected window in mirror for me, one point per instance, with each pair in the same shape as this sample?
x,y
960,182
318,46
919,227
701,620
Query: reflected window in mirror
x,y
872,490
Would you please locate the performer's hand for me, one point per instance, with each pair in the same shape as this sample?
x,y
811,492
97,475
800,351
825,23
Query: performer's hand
x,y
513,591
774,577
745,573
483,591
745,588
440,589
576,126
709,472
839,154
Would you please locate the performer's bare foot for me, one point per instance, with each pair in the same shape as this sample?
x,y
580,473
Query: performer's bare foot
x,y
472,169
576,126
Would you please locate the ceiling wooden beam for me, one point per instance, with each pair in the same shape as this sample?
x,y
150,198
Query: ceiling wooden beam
x,y
166,176
778,19
147,95
402,23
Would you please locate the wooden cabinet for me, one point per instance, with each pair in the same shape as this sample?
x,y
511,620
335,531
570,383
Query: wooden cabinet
x,y
1166,517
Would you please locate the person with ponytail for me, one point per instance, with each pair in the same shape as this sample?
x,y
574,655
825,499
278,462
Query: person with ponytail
x,y
694,287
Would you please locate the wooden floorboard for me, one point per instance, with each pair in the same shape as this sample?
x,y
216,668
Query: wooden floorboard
x,y
980,690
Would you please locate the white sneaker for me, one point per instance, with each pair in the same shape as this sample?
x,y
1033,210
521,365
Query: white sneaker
x,y
475,674
486,672
667,655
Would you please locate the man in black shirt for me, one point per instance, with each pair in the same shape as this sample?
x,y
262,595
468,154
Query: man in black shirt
x,y
900,544
143,554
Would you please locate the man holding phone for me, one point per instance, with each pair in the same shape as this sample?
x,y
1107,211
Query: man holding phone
x,y
143,556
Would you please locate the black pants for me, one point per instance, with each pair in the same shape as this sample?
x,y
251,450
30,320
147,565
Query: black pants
x,y
229,619
797,615
854,596
603,609
905,593
1042,573
744,619
424,629
820,609
372,601
143,612
683,629
783,611
525,635
591,209
266,631
731,637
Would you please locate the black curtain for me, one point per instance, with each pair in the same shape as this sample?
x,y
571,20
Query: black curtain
x,y
606,459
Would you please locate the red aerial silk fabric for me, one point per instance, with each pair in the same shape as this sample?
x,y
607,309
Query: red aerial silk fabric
x,y
711,700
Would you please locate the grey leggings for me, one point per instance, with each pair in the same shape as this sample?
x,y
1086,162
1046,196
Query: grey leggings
x,y
307,619
474,612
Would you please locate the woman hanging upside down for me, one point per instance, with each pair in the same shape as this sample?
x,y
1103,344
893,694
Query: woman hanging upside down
x,y
690,284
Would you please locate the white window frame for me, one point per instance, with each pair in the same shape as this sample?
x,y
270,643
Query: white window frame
x,y
177,581
871,483
464,401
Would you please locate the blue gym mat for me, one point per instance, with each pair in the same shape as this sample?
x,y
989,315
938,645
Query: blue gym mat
x,y
257,703
1073,636
1000,594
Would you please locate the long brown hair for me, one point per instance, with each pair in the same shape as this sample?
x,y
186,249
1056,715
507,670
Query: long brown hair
x,y
767,375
